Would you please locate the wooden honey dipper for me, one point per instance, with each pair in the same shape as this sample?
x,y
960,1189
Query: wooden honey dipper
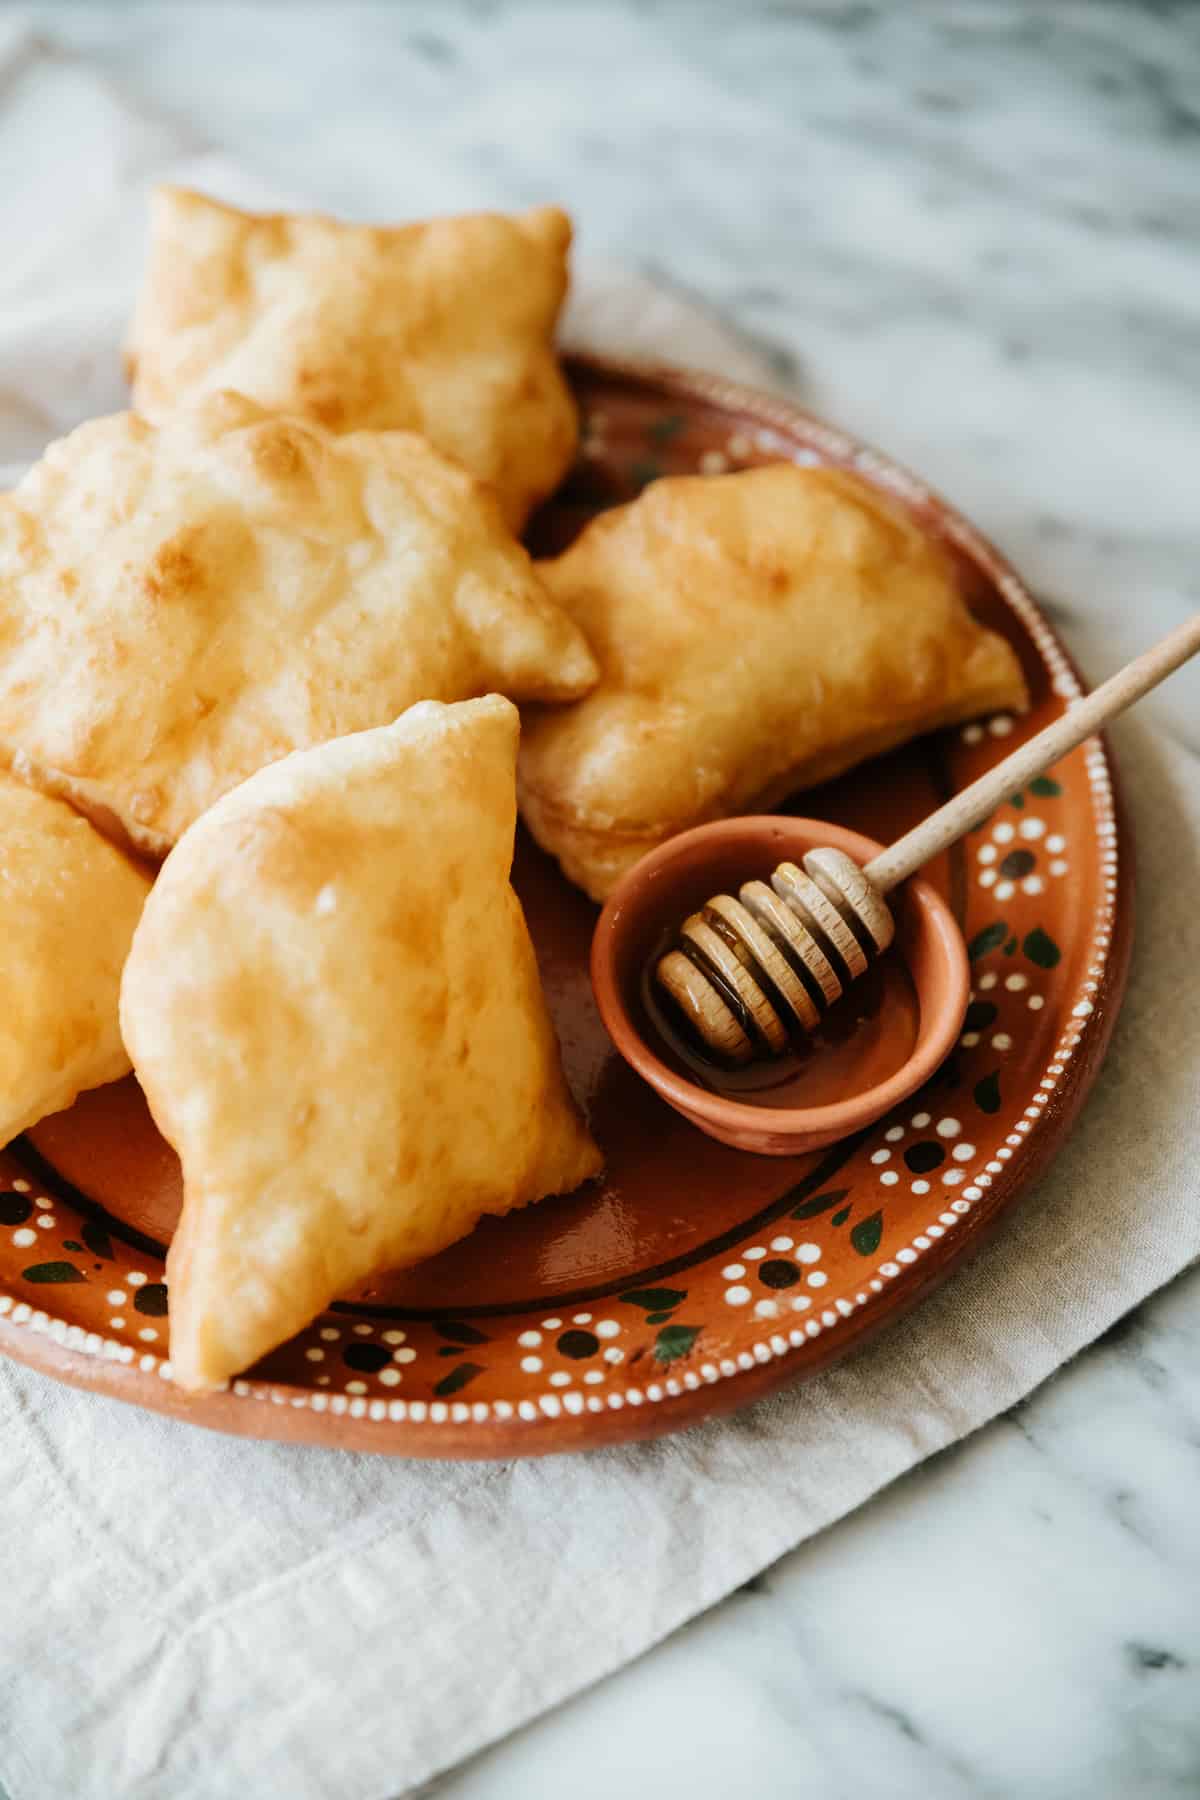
x,y
746,972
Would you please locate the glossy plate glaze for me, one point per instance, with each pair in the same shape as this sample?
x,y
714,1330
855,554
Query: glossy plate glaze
x,y
693,1277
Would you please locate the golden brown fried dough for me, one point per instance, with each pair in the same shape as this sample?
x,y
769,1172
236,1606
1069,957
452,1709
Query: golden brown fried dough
x,y
68,906
333,1006
756,633
444,327
180,606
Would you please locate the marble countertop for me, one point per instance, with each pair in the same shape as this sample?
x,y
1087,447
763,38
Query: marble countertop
x,y
972,234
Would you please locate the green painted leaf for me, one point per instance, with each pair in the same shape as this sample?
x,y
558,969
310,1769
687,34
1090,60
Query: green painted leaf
x,y
990,938
1017,800
96,1237
53,1271
979,1015
451,1349
458,1378
867,1233
673,1341
70,1244
643,471
839,1218
820,1203
656,1318
459,1333
987,1092
1044,785
661,431
1010,946
1041,948
655,1300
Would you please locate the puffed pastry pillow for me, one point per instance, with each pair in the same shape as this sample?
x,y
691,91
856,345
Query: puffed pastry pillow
x,y
68,906
333,1006
444,327
756,633
181,605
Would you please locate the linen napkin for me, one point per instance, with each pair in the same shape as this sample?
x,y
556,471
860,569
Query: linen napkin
x,y
190,1617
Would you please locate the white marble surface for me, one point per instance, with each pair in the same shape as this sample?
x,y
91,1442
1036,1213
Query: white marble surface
x,y
1016,1619
972,233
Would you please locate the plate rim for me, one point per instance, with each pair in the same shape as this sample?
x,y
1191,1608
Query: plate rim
x,y
274,1410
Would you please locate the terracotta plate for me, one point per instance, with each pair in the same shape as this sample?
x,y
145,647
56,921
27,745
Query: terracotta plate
x,y
694,1277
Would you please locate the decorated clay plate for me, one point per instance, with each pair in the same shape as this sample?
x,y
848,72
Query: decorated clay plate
x,y
693,1277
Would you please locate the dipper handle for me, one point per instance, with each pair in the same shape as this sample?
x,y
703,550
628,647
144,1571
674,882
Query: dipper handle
x,y
748,972
1082,718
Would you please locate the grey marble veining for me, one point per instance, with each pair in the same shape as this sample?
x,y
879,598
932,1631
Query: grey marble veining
x,y
1017,1617
970,232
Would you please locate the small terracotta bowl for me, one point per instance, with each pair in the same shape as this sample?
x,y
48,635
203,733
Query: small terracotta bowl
x,y
660,891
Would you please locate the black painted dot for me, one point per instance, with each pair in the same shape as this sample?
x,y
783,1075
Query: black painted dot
x,y
776,1273
1017,863
980,1014
578,1344
151,1299
368,1357
14,1208
921,1158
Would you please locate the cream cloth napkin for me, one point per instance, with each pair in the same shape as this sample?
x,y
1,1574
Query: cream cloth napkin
x,y
190,1617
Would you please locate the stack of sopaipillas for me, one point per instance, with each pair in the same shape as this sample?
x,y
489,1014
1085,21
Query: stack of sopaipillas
x,y
271,627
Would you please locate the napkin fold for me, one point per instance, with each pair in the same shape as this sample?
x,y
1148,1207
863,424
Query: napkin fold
x,y
190,1617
